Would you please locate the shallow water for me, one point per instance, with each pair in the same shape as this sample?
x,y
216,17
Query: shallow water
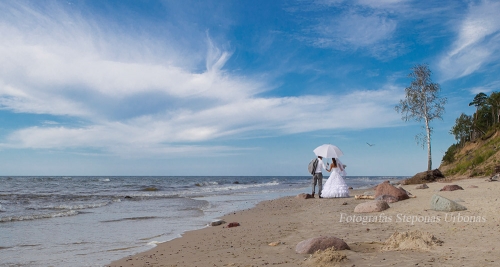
x,y
91,221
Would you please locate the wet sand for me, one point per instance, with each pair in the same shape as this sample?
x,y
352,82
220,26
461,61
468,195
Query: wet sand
x,y
268,233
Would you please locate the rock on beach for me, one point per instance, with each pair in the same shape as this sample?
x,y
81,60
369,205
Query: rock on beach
x,y
422,186
440,203
386,188
387,198
451,187
371,206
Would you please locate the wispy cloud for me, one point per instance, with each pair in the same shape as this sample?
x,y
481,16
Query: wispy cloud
x,y
252,116
363,26
352,31
150,100
487,88
477,43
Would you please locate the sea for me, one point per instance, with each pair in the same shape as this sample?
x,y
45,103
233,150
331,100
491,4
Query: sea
x,y
94,220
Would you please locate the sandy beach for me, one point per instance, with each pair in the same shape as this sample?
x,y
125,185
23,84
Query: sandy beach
x,y
268,234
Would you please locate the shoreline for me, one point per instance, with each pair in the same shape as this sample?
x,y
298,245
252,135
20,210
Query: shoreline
x,y
269,232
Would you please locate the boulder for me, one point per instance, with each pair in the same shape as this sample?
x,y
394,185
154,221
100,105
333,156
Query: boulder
x,y
440,203
314,244
304,196
372,206
422,186
387,198
493,178
451,187
215,223
404,190
424,177
386,188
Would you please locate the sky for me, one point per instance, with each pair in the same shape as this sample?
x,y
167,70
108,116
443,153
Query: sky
x,y
233,88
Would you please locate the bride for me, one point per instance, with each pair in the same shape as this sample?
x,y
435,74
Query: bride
x,y
335,186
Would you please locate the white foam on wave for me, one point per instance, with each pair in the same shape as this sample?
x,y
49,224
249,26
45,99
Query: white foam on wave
x,y
154,243
240,186
80,206
39,216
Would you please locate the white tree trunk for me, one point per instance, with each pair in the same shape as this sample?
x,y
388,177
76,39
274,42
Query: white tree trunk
x,y
429,157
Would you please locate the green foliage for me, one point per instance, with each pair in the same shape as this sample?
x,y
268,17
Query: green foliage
x,y
478,160
472,159
494,102
449,156
489,134
463,128
459,168
483,120
482,126
479,100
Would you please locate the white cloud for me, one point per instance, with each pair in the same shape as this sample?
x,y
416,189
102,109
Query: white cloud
x,y
477,43
368,3
252,116
354,31
366,26
487,88
58,70
382,3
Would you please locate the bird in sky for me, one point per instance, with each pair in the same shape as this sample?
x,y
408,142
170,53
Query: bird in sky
x,y
370,144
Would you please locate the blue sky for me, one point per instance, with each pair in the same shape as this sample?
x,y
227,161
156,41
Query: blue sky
x,y
232,87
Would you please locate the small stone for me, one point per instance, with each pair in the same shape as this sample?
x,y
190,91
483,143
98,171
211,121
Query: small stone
x,y
422,186
233,224
452,187
215,223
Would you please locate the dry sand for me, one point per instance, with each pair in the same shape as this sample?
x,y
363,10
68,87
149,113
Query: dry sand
x,y
269,232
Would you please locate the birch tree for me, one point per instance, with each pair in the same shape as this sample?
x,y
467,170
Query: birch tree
x,y
422,104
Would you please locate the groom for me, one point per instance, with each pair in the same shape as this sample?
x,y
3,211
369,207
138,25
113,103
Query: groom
x,y
318,177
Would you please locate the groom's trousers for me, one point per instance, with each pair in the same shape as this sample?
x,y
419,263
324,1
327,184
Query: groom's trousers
x,y
317,179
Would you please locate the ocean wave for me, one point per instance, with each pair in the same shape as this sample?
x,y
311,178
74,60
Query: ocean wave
x,y
132,219
155,243
79,206
146,195
208,183
150,189
38,216
149,238
239,186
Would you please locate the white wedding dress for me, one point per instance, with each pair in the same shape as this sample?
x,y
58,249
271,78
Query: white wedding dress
x,y
335,186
